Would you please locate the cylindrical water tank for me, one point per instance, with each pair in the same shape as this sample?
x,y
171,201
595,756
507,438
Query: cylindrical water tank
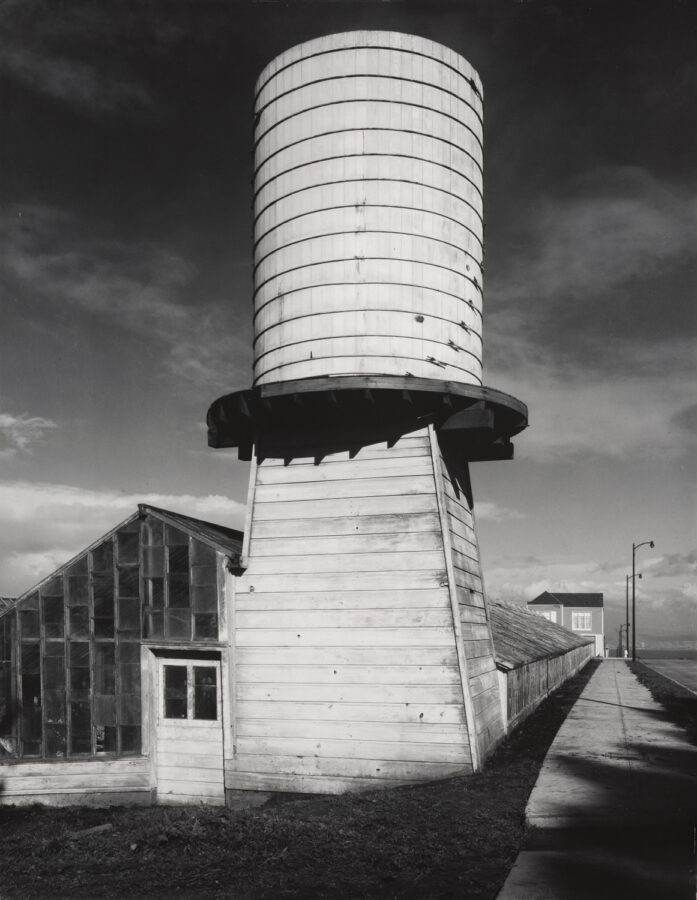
x,y
368,211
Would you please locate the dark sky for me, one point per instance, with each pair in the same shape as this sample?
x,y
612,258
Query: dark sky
x,y
125,192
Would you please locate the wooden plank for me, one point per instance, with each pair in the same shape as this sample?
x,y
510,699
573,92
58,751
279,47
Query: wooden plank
x,y
314,784
344,767
344,618
347,506
474,614
477,648
376,674
281,566
475,632
29,784
386,524
183,774
425,598
479,684
247,534
436,713
313,545
355,750
349,637
409,445
479,665
336,581
195,734
350,693
411,466
349,656
429,733
380,486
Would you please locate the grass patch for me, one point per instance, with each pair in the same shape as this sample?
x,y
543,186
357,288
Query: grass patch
x,y
452,838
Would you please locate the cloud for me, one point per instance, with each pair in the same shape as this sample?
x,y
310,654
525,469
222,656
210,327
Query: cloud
x,y
18,433
73,81
144,288
494,512
44,525
597,278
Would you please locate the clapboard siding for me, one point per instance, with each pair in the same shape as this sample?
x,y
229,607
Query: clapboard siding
x,y
56,783
474,624
346,666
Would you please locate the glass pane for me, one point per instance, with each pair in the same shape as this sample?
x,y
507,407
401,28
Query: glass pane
x,y
130,738
153,561
53,587
129,709
178,624
152,531
79,622
129,614
103,557
129,677
103,591
29,623
105,738
174,536
206,626
205,692
175,691
204,598
154,624
155,593
55,740
31,658
79,653
79,567
129,582
54,617
104,654
79,682
178,559
129,652
202,555
178,596
104,710
54,706
104,628
128,547
54,672
78,590
81,729
105,680
31,691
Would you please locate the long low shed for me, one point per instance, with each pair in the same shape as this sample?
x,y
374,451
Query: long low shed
x,y
533,658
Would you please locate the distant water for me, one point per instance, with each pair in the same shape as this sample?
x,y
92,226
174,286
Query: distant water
x,y
667,654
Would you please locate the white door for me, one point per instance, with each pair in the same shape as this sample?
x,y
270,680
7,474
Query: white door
x,y
189,752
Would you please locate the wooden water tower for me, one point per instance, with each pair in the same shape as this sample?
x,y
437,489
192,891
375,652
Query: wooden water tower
x,y
362,646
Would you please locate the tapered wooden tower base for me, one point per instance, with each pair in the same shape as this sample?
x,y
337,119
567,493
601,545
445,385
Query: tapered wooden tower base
x,y
362,650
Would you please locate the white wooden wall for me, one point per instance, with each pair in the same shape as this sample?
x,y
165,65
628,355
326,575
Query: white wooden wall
x,y
471,601
84,782
347,670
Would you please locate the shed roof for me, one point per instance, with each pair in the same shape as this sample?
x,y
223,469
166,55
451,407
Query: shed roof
x,y
6,603
521,636
554,599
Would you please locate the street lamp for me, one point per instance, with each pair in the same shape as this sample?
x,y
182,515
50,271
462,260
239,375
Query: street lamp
x,y
635,547
626,605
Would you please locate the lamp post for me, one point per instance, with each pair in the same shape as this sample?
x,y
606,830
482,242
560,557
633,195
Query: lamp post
x,y
635,547
626,605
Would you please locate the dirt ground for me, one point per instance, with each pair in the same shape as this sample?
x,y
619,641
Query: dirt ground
x,y
453,838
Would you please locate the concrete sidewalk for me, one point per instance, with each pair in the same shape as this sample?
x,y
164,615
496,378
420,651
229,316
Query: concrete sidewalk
x,y
614,808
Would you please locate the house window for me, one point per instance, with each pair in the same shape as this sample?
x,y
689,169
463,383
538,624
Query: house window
x,y
549,614
581,621
190,692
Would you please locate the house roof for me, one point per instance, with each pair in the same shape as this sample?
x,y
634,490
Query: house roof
x,y
218,536
521,637
555,599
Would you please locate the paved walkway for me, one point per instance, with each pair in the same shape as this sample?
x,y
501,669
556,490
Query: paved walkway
x,y
682,671
614,808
